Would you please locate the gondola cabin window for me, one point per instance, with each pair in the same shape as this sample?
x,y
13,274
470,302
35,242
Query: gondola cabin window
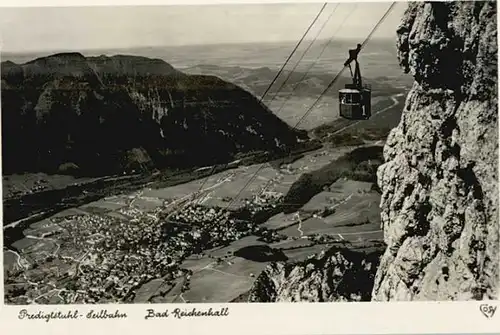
x,y
353,104
351,97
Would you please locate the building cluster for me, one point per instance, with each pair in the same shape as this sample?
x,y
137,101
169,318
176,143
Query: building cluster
x,y
264,201
107,258
38,186
198,214
209,227
268,235
325,238
115,257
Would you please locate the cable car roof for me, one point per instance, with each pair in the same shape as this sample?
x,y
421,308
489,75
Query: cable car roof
x,y
349,90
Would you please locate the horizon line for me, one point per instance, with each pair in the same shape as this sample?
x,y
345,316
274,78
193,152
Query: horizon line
x,y
86,50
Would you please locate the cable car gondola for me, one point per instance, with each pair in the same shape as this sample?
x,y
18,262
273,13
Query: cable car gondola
x,y
355,98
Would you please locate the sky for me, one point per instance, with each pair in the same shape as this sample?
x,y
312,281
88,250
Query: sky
x,y
84,28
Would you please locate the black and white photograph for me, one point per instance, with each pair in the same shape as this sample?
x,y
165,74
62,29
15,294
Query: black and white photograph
x,y
250,153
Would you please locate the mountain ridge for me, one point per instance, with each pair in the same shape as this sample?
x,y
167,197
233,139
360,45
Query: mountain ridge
x,y
70,109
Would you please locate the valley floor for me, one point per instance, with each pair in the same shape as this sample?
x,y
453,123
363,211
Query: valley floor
x,y
113,249
67,240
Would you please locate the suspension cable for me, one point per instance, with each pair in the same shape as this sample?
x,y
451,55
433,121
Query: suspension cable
x,y
318,99
287,98
294,50
272,82
303,55
342,70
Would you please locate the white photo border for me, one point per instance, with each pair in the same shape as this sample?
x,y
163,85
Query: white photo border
x,y
252,318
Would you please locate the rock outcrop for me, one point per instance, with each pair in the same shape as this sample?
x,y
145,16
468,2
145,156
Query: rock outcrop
x,y
335,275
440,183
105,115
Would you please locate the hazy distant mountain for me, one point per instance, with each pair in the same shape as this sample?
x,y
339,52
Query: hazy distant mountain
x,y
237,54
297,83
109,114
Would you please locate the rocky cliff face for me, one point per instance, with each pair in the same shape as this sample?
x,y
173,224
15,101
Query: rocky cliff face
x,y
335,275
110,114
440,183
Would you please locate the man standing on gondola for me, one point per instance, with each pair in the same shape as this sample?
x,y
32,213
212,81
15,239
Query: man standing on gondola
x,y
353,54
